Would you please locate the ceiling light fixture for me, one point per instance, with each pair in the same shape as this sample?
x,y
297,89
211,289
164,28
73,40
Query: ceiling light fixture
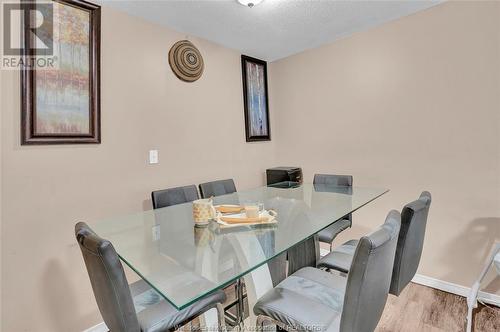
x,y
249,3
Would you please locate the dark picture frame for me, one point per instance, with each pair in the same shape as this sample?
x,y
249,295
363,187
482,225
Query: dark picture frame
x,y
29,134
256,99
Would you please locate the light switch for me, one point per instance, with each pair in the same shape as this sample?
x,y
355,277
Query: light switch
x,y
156,232
153,156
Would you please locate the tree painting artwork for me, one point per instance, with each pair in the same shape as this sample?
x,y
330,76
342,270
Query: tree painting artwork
x,y
255,99
62,97
63,105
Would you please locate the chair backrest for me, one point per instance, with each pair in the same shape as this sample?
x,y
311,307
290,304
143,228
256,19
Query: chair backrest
x,y
410,242
333,180
108,280
369,277
217,188
173,196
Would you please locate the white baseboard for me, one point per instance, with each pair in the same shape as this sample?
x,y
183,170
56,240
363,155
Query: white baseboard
x,y
452,288
101,327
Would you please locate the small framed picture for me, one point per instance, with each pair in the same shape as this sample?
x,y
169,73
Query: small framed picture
x,y
255,96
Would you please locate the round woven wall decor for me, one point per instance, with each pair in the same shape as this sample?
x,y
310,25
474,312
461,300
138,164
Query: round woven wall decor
x,y
186,61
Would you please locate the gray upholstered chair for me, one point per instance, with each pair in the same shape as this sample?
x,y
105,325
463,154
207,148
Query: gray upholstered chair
x,y
173,196
315,300
408,252
136,307
328,234
217,188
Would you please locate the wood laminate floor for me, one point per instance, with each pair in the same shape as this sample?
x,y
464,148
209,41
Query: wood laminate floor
x,y
421,308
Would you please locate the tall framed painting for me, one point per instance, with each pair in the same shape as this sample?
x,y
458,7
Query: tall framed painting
x,y
61,105
255,96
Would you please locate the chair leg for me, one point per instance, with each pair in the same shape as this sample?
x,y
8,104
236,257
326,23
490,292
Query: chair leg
x,y
260,323
261,319
215,322
221,318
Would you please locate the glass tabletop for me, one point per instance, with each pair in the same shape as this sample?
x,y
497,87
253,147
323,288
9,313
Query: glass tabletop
x,y
184,263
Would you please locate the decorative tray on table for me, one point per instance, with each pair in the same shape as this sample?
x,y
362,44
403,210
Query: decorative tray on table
x,y
235,216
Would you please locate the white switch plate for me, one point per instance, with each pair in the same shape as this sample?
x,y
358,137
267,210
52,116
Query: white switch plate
x,y
156,232
153,156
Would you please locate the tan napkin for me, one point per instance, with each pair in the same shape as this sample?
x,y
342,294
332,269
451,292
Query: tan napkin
x,y
228,209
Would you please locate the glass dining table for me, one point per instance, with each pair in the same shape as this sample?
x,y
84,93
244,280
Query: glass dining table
x,y
184,263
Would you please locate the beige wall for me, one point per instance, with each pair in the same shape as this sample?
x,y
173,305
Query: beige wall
x,y
198,129
411,105
1,190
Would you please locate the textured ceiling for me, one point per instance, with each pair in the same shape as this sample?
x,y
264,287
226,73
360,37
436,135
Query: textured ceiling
x,y
274,29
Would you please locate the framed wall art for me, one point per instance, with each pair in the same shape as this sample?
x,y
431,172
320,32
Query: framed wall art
x,y
255,96
61,105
